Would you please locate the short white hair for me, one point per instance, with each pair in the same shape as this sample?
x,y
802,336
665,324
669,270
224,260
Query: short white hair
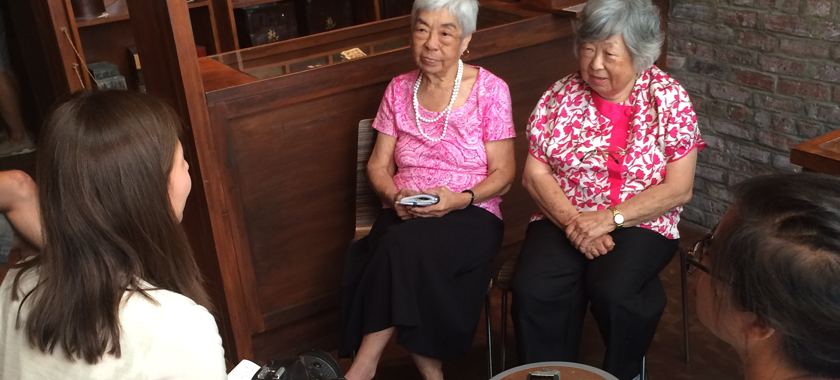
x,y
466,11
636,20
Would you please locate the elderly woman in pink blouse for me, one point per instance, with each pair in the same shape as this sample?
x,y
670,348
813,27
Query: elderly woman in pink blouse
x,y
445,129
613,149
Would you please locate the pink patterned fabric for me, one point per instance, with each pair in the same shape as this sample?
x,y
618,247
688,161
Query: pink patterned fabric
x,y
459,161
567,132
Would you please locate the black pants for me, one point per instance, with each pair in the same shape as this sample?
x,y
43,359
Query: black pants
x,y
554,282
425,276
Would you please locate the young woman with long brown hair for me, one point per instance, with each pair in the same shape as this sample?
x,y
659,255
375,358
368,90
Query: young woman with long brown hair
x,y
115,292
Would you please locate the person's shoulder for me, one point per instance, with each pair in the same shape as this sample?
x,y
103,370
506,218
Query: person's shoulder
x,y
487,78
405,80
662,82
163,310
572,83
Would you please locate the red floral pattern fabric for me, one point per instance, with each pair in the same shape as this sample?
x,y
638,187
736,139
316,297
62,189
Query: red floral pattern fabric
x,y
459,161
568,133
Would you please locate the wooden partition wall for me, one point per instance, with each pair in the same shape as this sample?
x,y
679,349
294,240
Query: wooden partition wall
x,y
274,160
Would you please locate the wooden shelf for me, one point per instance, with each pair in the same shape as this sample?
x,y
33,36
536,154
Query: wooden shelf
x,y
118,12
248,3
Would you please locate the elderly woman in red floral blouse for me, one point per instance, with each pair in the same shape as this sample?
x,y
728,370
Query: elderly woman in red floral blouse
x,y
613,149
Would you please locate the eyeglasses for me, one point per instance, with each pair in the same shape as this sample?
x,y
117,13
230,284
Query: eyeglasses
x,y
696,254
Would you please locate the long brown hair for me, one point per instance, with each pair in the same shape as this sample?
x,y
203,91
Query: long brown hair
x,y
103,174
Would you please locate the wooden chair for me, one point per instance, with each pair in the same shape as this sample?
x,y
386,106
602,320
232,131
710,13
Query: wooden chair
x,y
368,206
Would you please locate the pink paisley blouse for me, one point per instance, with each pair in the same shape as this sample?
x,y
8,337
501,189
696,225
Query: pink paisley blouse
x,y
459,161
602,154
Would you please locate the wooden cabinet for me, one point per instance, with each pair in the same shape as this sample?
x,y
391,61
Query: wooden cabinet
x,y
108,38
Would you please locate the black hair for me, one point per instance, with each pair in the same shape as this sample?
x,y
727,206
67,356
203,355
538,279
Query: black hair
x,y
780,259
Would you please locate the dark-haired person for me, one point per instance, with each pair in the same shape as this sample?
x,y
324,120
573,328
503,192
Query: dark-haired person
x,y
115,293
769,278
20,224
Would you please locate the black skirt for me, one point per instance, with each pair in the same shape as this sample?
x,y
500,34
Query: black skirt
x,y
425,276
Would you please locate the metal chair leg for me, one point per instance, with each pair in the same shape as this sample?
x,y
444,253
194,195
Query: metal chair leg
x,y
684,280
489,336
504,328
644,375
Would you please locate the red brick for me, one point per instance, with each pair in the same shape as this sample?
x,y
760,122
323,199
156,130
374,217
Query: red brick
x,y
675,62
693,84
776,103
735,56
819,8
788,6
787,24
781,65
735,130
758,41
824,113
837,94
775,140
836,54
729,92
753,79
738,18
678,28
828,73
805,47
714,70
754,154
737,113
761,4
713,107
782,161
694,12
717,34
804,89
696,49
810,130
827,31
763,119
784,125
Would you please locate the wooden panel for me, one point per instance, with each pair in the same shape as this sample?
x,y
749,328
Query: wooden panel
x,y
166,46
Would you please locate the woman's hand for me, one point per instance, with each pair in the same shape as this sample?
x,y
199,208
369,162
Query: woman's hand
x,y
449,201
598,247
404,212
589,226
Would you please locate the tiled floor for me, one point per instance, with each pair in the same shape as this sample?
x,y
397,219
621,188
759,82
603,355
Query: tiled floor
x,y
711,359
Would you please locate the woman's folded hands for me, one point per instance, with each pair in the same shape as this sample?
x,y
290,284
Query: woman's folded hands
x,y
589,232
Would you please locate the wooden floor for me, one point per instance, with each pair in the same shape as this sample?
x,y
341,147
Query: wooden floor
x,y
711,359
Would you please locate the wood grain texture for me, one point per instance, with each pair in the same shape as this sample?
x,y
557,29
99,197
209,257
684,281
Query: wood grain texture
x,y
821,154
168,56
286,150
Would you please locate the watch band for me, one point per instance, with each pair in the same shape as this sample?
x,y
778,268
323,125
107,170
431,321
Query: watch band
x,y
616,213
472,196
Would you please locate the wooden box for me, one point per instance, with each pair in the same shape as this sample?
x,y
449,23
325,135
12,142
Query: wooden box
x,y
316,16
395,8
266,23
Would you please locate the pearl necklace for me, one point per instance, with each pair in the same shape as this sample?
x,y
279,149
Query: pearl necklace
x,y
446,111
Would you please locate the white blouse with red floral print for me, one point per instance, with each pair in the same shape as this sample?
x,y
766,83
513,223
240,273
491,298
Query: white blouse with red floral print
x,y
569,133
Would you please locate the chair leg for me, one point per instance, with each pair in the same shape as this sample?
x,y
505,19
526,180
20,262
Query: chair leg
x,y
504,328
643,375
489,336
684,280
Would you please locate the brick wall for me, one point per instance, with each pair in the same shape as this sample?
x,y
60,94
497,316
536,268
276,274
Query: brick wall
x,y
763,75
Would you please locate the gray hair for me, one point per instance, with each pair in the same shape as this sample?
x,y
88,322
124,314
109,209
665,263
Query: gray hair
x,y
636,20
466,11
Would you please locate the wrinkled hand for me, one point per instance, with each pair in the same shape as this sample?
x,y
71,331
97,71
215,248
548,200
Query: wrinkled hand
x,y
588,226
404,212
449,201
598,247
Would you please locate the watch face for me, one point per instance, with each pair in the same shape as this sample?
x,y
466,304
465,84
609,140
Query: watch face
x,y
619,219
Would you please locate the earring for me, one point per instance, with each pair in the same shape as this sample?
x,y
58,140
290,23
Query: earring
x,y
466,52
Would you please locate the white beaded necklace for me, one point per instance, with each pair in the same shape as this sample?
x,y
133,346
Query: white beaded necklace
x,y
446,111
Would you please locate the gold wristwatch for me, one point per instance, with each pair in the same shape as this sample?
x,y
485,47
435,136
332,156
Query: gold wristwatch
x,y
617,217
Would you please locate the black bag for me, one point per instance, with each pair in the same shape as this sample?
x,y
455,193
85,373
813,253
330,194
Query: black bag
x,y
310,365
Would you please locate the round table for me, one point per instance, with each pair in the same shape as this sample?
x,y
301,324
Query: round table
x,y
568,371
